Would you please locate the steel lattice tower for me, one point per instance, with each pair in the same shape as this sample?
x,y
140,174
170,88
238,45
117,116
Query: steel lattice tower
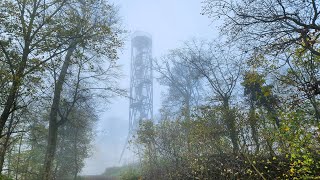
x,y
141,84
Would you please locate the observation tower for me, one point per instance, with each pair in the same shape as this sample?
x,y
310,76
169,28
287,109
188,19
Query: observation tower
x,y
141,82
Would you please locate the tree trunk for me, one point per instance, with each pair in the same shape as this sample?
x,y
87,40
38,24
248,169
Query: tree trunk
x,y
187,108
5,144
16,83
253,125
230,121
53,117
19,153
234,137
9,162
76,154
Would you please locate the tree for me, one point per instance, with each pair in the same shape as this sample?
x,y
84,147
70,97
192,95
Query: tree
x,y
73,146
42,38
258,95
269,25
26,31
27,43
302,74
221,69
94,36
74,142
183,82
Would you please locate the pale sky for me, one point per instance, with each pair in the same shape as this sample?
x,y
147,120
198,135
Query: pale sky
x,y
170,22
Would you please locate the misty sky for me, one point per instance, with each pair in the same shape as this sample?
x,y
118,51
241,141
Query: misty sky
x,y
170,22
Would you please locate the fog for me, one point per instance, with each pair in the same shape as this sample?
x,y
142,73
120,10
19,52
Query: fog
x,y
170,22
212,89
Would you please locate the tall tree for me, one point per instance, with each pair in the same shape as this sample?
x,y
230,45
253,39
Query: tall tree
x,y
258,95
302,75
93,26
183,82
222,70
27,41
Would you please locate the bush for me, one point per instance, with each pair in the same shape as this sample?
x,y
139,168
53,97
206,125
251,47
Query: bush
x,y
131,173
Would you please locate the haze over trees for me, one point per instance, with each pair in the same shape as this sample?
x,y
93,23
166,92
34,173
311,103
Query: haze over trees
x,y
245,106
